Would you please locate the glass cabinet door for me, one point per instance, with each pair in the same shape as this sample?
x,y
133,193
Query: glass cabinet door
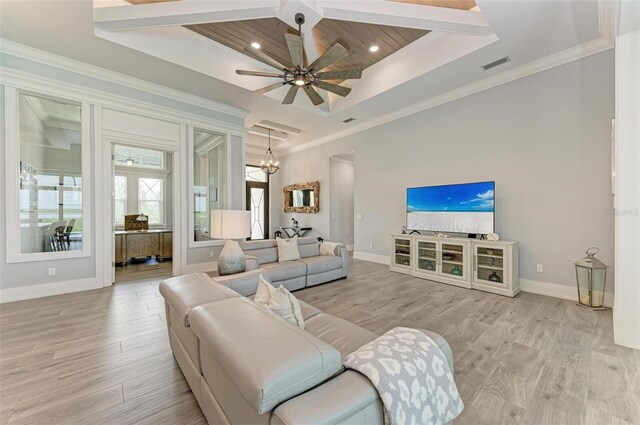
x,y
452,260
427,256
489,265
402,252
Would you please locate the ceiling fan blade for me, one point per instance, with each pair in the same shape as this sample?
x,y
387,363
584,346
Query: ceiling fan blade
x,y
349,74
336,52
294,42
334,88
269,88
291,95
263,57
313,95
259,73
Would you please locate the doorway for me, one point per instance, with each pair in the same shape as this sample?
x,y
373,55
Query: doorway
x,y
143,213
257,196
341,203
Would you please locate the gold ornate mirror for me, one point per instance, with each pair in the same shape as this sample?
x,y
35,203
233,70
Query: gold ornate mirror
x,y
302,197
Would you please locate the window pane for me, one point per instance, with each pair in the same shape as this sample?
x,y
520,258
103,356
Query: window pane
x,y
208,179
255,174
120,199
50,174
257,213
150,199
138,157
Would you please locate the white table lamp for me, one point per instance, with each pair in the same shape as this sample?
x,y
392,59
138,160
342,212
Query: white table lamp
x,y
229,225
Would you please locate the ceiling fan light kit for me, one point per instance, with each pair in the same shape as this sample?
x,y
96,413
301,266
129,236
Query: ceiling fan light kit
x,y
308,77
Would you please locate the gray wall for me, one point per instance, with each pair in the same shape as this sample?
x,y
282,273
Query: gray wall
x,y
341,186
545,140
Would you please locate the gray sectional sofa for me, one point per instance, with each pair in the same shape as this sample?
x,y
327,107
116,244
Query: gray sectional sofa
x,y
312,268
246,365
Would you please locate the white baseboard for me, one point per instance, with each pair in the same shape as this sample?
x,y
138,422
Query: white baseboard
x,y
374,258
202,267
549,289
350,248
557,290
48,289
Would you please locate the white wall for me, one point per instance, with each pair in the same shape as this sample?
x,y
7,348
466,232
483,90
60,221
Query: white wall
x,y
341,187
545,140
626,313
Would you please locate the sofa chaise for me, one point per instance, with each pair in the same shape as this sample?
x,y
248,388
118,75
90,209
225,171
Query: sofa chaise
x,y
246,365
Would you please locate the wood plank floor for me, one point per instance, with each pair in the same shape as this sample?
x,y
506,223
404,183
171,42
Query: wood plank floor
x,y
102,357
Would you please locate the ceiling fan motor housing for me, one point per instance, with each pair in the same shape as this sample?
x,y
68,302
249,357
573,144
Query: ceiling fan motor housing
x,y
299,18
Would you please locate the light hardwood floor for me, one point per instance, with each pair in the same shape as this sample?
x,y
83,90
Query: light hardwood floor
x,y
102,357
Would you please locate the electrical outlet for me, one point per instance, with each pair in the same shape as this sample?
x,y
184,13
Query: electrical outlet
x,y
52,271
359,216
210,254
350,238
371,245
540,268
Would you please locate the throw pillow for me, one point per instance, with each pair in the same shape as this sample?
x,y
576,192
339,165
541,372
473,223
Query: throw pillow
x,y
288,249
280,301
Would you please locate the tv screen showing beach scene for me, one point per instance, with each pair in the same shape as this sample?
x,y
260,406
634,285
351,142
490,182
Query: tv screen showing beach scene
x,y
455,208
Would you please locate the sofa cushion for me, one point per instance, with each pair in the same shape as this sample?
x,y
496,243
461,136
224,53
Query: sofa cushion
x,y
265,251
272,361
184,292
344,336
285,270
308,247
288,249
322,264
308,311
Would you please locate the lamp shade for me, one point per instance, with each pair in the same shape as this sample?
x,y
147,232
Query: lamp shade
x,y
230,224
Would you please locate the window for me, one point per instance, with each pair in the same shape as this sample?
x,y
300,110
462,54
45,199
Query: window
x,y
209,171
120,199
138,157
255,174
50,183
151,199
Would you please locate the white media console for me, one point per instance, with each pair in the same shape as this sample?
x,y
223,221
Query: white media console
x,y
469,263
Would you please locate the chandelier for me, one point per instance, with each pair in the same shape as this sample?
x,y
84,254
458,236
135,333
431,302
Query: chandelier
x,y
269,164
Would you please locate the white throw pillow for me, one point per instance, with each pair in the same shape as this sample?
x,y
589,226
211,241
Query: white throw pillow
x,y
328,248
288,249
280,301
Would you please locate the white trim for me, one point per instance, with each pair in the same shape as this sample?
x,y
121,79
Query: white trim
x,y
35,55
569,55
48,289
373,258
209,266
557,290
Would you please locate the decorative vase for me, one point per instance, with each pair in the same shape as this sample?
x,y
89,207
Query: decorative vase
x,y
494,277
456,271
231,259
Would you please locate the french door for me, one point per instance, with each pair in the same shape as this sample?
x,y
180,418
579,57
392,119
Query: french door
x,y
258,204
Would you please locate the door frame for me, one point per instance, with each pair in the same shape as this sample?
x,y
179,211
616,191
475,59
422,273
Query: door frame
x,y
107,174
259,185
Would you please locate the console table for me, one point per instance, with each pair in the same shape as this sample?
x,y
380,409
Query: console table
x,y
295,231
149,243
469,263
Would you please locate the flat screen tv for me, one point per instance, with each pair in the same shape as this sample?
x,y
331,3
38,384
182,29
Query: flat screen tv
x,y
453,208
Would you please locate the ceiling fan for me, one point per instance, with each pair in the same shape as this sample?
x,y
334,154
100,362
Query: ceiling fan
x,y
300,76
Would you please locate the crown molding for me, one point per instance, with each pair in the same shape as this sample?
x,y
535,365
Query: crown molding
x,y
589,48
50,59
32,82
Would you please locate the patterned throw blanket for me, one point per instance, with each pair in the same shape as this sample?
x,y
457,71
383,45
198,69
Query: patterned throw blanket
x,y
412,377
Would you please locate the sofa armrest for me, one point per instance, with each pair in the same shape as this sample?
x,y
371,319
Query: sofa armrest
x,y
346,399
345,259
245,283
252,263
